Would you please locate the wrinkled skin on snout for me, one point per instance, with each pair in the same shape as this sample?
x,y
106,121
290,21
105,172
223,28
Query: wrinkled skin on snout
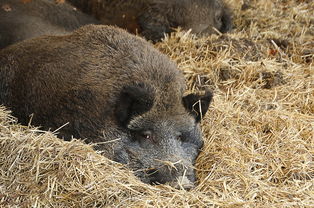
x,y
113,90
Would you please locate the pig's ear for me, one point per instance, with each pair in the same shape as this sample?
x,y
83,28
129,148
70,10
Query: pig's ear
x,y
197,105
153,25
134,100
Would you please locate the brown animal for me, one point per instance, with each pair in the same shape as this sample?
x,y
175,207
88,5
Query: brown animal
x,y
112,88
20,21
153,18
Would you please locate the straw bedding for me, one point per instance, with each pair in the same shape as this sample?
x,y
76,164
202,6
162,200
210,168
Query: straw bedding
x,y
259,136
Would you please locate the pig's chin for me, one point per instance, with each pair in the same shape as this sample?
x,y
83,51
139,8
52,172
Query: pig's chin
x,y
179,182
154,176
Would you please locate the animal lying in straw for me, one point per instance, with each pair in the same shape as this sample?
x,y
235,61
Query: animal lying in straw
x,y
153,18
20,21
110,88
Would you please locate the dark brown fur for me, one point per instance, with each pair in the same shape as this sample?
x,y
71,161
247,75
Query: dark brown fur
x,y
153,18
112,87
20,21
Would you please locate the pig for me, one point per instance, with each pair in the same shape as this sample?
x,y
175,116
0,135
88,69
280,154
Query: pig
x,y
112,89
153,18
20,21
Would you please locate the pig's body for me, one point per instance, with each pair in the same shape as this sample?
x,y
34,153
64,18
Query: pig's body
x,y
154,18
20,21
151,18
107,85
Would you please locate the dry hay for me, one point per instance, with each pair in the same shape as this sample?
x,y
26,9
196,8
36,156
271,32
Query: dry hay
x,y
259,136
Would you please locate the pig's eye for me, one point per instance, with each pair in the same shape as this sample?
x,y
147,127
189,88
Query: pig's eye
x,y
180,138
218,19
146,135
142,135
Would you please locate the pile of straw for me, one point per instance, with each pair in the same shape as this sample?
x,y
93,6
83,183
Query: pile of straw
x,y
259,131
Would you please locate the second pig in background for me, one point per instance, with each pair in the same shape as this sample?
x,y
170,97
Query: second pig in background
x,y
153,18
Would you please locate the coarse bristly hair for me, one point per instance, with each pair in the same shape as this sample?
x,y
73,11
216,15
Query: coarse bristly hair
x,y
155,18
106,84
258,135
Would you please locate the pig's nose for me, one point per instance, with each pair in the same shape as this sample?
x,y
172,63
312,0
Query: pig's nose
x,y
154,177
183,183
151,171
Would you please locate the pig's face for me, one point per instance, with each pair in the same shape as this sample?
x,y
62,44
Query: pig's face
x,y
162,150
161,146
204,16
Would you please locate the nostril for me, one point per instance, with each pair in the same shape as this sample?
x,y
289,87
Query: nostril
x,y
154,176
151,171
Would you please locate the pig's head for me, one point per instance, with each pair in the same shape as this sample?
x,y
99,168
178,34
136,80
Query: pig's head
x,y
163,140
203,17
